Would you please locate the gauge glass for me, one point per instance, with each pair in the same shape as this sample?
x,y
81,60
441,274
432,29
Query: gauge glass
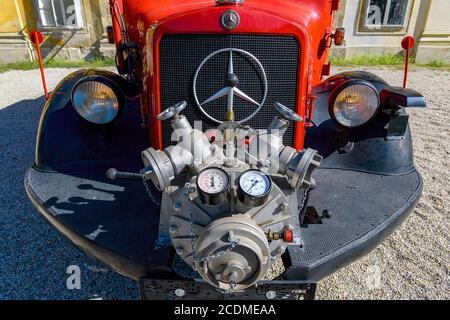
x,y
255,183
212,180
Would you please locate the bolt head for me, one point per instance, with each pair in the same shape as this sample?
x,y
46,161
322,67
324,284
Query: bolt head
x,y
180,292
271,294
177,206
172,228
190,188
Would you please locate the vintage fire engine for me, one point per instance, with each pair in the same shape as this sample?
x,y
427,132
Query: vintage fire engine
x,y
217,162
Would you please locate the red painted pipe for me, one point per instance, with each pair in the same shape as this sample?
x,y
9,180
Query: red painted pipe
x,y
116,10
407,44
115,5
37,38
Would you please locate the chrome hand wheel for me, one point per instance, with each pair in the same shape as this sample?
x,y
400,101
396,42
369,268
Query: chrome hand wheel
x,y
172,111
286,113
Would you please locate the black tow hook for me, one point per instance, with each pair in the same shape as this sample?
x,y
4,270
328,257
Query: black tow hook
x,y
114,174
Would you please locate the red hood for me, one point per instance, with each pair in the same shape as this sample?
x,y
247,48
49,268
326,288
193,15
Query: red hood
x,y
304,12
313,17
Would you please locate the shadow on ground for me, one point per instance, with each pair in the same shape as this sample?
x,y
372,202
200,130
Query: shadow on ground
x,y
34,257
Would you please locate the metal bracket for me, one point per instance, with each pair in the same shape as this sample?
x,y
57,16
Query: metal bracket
x,y
396,126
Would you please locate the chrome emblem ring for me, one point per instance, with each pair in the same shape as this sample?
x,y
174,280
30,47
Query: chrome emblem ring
x,y
230,90
230,19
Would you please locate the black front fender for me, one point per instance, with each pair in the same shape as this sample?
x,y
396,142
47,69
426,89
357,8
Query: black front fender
x,y
66,141
364,148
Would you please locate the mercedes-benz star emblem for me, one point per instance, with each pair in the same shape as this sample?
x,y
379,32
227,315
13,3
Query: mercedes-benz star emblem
x,y
231,85
230,19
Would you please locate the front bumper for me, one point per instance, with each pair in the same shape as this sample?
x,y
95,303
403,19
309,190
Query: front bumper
x,y
117,223
157,289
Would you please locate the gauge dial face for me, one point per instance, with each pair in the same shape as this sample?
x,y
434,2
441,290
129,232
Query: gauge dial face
x,y
213,181
255,183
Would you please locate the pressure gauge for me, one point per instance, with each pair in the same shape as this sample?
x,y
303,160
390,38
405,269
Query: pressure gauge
x,y
213,185
254,188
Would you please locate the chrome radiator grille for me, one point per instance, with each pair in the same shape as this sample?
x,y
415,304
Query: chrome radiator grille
x,y
180,56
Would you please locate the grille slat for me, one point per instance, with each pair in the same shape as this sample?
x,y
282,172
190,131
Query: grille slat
x,y
180,56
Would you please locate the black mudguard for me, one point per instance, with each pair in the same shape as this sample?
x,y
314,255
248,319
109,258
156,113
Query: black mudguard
x,y
364,148
67,142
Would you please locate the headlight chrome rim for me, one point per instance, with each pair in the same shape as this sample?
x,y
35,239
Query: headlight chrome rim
x,y
111,85
345,85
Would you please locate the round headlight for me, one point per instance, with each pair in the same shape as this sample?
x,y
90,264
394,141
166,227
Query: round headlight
x,y
355,104
95,101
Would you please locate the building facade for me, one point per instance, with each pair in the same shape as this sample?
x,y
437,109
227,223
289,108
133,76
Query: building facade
x,y
76,29
73,29
377,27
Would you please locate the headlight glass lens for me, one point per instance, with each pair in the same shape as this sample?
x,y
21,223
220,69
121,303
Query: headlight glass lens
x,y
96,102
355,105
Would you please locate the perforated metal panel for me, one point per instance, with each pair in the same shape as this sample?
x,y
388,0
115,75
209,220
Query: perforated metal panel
x,y
180,56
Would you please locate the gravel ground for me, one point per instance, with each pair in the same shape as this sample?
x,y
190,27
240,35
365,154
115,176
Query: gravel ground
x,y
411,264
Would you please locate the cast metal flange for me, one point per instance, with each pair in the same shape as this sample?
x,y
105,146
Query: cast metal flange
x,y
239,267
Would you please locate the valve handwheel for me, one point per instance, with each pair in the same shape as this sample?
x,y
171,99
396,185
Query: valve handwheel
x,y
286,113
173,111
